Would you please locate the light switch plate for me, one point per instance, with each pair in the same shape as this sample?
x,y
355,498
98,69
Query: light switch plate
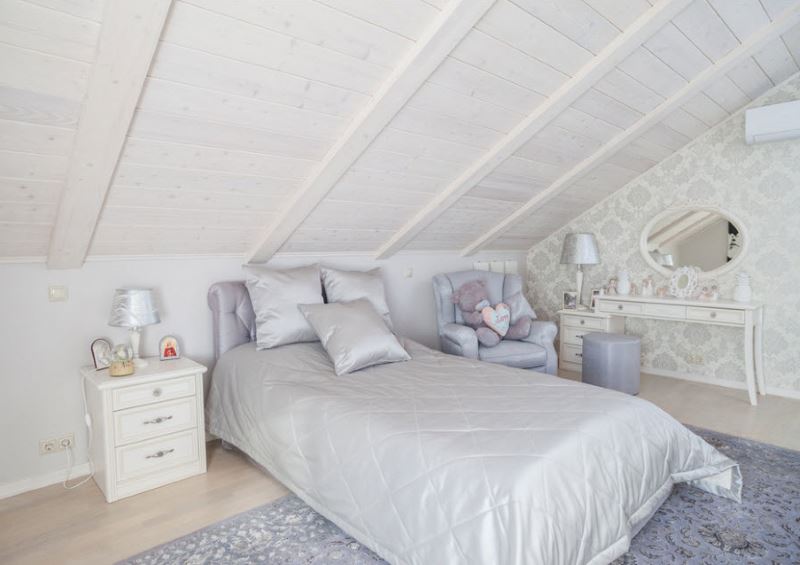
x,y
57,293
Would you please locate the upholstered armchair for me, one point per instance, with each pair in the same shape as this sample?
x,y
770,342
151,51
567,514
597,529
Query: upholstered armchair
x,y
535,352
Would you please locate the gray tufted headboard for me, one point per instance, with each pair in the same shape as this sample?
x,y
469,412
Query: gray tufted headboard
x,y
234,319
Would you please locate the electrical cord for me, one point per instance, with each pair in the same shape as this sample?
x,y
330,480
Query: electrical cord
x,y
70,460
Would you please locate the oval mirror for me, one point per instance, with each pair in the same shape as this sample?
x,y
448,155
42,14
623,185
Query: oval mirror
x,y
704,237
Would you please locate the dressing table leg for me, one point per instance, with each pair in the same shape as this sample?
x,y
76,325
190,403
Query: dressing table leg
x,y
748,357
759,339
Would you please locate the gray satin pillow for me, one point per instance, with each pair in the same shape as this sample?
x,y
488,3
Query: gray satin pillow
x,y
354,335
275,295
346,286
519,306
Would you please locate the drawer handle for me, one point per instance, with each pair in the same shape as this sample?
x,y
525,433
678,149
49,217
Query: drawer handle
x,y
713,314
583,322
619,306
159,454
580,337
579,354
157,420
157,392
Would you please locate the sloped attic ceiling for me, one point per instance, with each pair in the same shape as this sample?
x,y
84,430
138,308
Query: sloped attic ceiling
x,y
354,125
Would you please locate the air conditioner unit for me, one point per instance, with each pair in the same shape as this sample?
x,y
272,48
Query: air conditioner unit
x,y
772,123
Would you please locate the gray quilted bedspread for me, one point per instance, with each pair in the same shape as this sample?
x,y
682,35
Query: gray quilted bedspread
x,y
443,460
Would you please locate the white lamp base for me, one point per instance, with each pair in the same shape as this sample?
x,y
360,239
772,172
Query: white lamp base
x,y
579,285
135,335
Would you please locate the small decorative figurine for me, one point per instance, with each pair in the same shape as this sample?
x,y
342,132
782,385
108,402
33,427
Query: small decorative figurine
x,y
662,291
611,288
648,286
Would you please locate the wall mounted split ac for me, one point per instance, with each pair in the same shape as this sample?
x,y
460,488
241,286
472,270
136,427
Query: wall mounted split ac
x,y
772,123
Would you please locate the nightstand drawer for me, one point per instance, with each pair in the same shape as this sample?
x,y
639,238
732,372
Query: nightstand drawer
x,y
572,354
137,424
718,315
585,322
139,459
574,336
137,395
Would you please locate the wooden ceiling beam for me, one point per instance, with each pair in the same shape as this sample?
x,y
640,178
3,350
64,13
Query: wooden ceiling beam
x,y
451,26
755,42
128,39
566,95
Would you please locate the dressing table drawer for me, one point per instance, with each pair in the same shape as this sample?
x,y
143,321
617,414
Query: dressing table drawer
x,y
715,315
665,311
612,306
574,336
584,322
572,354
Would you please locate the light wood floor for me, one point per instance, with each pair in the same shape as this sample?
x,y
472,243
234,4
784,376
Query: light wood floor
x,y
52,525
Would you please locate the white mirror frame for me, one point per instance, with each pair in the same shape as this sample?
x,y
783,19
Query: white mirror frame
x,y
727,267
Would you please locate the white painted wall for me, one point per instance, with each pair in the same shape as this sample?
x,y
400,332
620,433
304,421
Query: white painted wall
x,y
43,343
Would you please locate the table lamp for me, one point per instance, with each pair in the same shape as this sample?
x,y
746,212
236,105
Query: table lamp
x,y
134,308
580,249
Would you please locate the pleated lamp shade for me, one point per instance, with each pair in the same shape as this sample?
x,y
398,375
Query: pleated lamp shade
x,y
133,308
580,249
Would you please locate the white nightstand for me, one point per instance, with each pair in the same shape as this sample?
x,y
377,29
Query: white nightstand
x,y
149,428
574,324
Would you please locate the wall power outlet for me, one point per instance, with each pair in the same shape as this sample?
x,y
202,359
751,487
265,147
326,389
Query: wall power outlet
x,y
56,444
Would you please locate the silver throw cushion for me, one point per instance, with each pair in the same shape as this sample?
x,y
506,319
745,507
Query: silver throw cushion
x,y
354,335
275,295
346,286
519,306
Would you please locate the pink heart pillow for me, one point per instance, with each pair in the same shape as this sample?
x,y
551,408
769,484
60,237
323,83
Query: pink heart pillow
x,y
497,318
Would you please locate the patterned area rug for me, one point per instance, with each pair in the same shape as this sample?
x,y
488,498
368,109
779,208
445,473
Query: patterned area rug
x,y
691,527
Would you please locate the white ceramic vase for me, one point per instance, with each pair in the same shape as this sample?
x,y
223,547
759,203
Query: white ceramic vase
x,y
623,283
742,292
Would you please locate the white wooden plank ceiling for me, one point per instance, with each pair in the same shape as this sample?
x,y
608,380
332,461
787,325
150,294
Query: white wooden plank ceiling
x,y
245,102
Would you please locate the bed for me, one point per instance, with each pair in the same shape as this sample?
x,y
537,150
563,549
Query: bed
x,y
442,459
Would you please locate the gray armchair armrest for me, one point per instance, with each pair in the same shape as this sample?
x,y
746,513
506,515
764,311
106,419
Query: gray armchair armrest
x,y
459,340
544,334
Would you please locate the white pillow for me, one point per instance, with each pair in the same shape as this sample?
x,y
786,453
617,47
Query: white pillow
x,y
275,295
354,335
346,286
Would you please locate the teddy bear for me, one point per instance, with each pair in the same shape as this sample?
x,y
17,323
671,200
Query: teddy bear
x,y
491,324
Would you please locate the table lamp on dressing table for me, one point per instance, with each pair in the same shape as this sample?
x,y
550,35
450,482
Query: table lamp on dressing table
x,y
580,249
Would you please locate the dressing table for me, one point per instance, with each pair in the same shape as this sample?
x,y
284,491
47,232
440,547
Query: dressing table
x,y
749,317
690,245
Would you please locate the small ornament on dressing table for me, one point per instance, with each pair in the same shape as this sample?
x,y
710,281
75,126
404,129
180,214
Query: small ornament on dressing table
x,y
623,283
648,286
742,292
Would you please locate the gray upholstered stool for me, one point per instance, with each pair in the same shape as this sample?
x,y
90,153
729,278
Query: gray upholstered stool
x,y
612,361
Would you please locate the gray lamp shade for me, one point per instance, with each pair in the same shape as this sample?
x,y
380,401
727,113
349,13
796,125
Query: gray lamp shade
x,y
580,249
133,308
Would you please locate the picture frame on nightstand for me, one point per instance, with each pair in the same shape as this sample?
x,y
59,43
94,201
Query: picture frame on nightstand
x,y
569,300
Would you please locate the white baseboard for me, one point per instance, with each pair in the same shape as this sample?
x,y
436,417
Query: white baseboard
x,y
702,379
33,483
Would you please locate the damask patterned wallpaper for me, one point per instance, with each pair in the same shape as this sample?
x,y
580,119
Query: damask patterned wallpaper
x,y
760,185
